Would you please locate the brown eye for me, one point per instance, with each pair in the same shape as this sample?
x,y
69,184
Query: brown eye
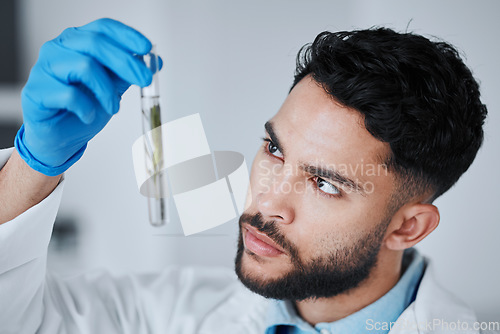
x,y
274,150
327,187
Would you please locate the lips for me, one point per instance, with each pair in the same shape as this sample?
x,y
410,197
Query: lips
x,y
260,244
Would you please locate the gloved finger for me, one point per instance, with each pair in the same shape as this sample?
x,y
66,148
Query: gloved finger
x,y
72,67
121,85
129,38
107,52
160,63
46,97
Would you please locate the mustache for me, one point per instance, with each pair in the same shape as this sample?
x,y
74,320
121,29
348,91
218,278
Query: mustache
x,y
270,229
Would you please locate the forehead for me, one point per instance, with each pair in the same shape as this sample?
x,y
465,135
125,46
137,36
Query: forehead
x,y
314,126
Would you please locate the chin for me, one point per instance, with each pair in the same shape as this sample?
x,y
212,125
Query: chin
x,y
261,267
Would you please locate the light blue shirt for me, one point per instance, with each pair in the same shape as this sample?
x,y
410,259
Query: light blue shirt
x,y
385,310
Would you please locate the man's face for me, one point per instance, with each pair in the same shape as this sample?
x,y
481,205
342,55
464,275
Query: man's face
x,y
317,204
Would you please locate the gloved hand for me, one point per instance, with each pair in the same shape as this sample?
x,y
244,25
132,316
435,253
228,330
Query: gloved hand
x,y
75,88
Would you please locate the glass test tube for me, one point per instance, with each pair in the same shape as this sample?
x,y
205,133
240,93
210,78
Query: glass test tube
x,y
157,195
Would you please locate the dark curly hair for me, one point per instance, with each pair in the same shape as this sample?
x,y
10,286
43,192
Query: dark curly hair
x,y
415,94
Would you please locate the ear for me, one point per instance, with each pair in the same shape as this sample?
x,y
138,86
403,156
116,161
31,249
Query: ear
x,y
411,224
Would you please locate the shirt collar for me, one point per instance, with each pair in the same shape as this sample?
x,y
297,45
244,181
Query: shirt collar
x,y
381,312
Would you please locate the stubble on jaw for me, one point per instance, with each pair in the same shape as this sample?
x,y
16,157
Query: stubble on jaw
x,y
334,273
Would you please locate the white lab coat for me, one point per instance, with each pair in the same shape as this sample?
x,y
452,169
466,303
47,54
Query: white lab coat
x,y
178,300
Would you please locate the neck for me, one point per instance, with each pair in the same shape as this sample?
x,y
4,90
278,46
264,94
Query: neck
x,y
382,278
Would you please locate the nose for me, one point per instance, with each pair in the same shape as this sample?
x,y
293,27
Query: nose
x,y
275,201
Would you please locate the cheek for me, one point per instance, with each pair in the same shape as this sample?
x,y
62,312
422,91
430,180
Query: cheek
x,y
324,226
315,226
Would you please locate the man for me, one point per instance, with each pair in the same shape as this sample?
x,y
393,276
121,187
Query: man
x,y
377,125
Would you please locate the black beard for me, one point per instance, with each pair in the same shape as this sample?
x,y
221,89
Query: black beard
x,y
322,277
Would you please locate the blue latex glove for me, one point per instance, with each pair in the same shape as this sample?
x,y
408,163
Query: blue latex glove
x,y
75,88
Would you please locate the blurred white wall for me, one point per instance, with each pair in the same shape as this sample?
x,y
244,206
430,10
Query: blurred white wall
x,y
233,63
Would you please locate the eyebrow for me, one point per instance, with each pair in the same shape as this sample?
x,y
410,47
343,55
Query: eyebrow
x,y
327,173
333,175
270,131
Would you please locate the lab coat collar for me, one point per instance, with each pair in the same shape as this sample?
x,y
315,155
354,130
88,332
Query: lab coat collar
x,y
435,310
